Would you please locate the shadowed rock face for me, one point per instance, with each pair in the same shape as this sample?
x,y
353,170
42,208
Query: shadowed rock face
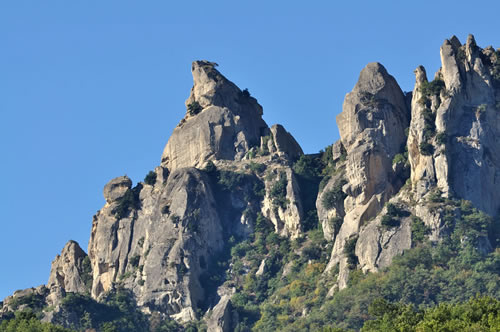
x,y
227,123
160,249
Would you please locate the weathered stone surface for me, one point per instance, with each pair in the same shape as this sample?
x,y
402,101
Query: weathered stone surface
x,y
160,250
285,143
68,273
467,163
372,129
287,217
116,188
327,216
227,126
34,294
377,245
222,318
338,151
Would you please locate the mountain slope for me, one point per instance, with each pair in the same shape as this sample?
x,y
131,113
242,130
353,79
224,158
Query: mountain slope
x,y
237,229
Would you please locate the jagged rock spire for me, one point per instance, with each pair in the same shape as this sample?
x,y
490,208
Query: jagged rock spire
x,y
372,129
222,122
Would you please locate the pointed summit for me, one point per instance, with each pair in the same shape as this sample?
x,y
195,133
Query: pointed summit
x,y
221,122
211,88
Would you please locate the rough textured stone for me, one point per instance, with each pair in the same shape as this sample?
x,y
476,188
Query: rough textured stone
x,y
116,188
287,218
285,143
228,125
372,129
68,273
222,318
325,215
338,151
160,250
467,164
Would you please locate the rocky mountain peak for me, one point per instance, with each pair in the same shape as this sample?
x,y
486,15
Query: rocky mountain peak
x,y
70,272
231,207
211,88
116,188
222,122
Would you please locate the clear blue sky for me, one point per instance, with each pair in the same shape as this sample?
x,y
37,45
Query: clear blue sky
x,y
90,90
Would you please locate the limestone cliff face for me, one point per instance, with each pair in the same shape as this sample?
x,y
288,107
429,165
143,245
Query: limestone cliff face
x,y
160,239
452,151
162,244
70,272
222,122
372,129
223,168
453,141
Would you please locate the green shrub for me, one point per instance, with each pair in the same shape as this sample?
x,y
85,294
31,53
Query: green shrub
x,y
257,167
418,230
87,277
229,181
435,196
334,196
175,219
335,224
210,167
134,260
400,158
477,314
28,322
150,178
441,138
194,108
349,251
278,192
388,222
393,210
426,149
429,123
432,88
129,201
308,166
245,94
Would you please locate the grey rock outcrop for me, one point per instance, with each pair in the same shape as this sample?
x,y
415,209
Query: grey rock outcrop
x,y
331,217
283,207
226,122
372,129
222,318
20,299
284,143
459,127
70,272
452,151
116,188
162,247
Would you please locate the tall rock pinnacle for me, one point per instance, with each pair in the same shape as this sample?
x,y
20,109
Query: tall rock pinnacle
x,y
222,122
